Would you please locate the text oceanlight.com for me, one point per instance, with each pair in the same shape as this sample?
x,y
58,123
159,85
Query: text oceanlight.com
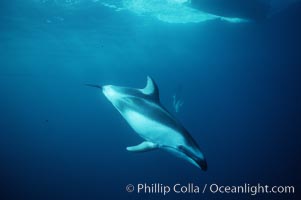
x,y
191,188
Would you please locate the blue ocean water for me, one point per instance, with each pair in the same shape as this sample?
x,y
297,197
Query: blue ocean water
x,y
240,84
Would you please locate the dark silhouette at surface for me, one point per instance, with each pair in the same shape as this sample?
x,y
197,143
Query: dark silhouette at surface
x,y
249,9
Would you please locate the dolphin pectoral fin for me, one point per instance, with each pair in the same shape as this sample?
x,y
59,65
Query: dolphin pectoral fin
x,y
144,146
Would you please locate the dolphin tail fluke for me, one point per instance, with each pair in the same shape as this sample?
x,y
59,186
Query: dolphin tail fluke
x,y
202,163
144,146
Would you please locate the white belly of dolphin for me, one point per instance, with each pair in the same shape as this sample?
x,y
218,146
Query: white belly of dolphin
x,y
152,130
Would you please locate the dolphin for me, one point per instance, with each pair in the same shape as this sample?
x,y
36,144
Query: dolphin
x,y
143,111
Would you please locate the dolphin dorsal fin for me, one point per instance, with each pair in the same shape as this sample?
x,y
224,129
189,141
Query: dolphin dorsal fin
x,y
151,89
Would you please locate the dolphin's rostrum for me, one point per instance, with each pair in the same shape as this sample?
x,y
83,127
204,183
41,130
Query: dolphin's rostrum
x,y
142,109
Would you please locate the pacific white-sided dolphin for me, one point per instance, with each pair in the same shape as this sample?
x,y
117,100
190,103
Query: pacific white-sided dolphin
x,y
142,109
